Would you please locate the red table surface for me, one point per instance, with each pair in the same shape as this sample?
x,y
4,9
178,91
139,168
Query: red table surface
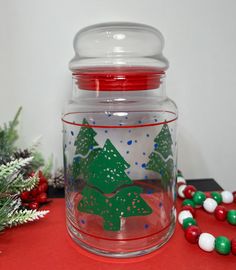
x,y
45,244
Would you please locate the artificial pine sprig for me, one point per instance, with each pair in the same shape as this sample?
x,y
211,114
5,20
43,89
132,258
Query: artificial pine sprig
x,y
24,215
12,181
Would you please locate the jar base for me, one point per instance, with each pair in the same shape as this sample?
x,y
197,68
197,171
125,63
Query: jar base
x,y
156,243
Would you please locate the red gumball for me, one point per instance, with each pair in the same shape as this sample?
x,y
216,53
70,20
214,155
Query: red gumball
x,y
189,191
189,208
34,205
42,197
233,246
220,213
24,195
192,234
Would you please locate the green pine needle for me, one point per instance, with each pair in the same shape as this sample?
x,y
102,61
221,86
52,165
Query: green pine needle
x,y
8,136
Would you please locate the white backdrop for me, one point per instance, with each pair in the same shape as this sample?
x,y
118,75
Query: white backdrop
x,y
36,46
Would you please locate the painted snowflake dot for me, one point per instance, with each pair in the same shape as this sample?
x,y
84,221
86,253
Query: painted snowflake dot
x,y
150,191
82,221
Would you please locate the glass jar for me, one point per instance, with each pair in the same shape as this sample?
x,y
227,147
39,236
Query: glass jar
x,y
119,142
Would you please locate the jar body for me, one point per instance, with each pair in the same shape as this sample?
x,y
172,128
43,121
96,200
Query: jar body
x,y
120,169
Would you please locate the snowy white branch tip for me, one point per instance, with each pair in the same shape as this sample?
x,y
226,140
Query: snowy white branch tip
x,y
24,216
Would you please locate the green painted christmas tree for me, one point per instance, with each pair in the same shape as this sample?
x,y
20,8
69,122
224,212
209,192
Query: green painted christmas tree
x,y
161,159
106,174
86,150
85,140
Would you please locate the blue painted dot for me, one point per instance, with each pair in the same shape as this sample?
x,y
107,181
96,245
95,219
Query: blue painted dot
x,y
65,145
106,131
150,191
109,115
127,152
143,165
146,226
129,142
136,163
145,177
129,130
135,141
139,121
120,124
91,147
69,142
94,122
147,135
160,204
155,146
72,133
144,153
128,172
126,117
155,120
82,221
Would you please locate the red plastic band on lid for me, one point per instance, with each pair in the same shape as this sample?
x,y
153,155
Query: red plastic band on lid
x,y
118,78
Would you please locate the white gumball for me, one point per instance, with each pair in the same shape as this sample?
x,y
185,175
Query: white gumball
x,y
180,191
183,215
210,205
227,196
206,242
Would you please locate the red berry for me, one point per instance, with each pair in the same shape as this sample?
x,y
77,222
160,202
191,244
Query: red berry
x,y
43,180
192,234
220,213
42,197
233,246
34,205
42,187
34,192
189,191
40,174
189,208
24,195
25,204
